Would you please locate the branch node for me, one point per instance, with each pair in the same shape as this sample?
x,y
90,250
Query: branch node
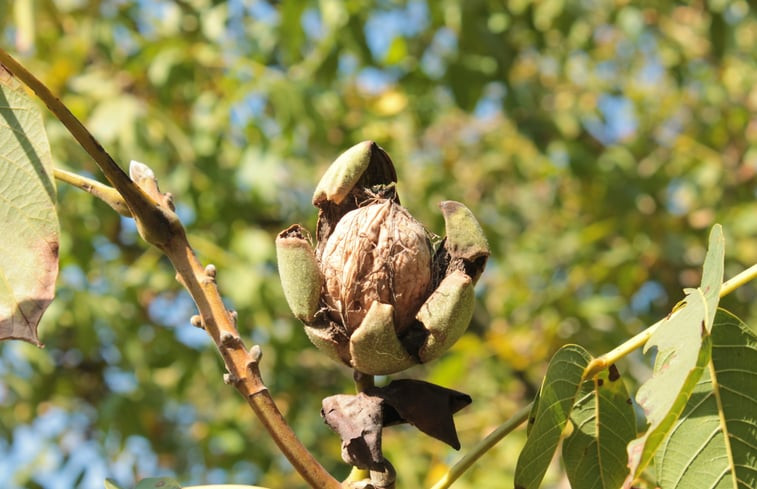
x,y
210,273
229,340
196,321
230,379
254,356
168,201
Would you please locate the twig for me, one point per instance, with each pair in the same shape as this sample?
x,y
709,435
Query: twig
x,y
152,220
735,282
107,194
482,447
160,226
621,351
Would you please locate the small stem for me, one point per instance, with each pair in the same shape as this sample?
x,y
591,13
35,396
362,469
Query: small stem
x,y
482,447
356,476
735,282
107,194
621,351
362,381
143,208
74,126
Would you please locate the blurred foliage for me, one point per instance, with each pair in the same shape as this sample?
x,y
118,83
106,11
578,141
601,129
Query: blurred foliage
x,y
597,141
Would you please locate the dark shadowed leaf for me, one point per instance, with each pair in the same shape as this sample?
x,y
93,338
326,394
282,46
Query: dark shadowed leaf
x,y
558,392
28,222
713,444
604,423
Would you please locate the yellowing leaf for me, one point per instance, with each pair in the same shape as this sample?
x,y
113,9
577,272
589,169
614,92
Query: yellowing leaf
x,y
28,222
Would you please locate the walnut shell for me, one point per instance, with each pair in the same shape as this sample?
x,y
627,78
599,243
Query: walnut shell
x,y
378,252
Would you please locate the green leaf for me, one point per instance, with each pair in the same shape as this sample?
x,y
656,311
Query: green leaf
x,y
595,452
713,444
712,273
28,222
682,355
681,358
532,414
558,392
158,483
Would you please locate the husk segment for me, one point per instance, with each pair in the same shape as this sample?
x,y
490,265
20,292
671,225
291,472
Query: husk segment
x,y
300,275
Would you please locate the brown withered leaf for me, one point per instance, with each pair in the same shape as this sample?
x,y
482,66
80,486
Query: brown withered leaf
x,y
358,422
426,406
359,419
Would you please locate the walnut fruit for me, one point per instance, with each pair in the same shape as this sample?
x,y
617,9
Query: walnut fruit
x,y
374,293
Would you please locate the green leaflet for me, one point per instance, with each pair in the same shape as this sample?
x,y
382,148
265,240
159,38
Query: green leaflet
x,y
713,443
558,392
683,352
712,273
28,221
604,422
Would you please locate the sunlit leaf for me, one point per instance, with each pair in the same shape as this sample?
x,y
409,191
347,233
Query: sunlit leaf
x,y
604,422
712,273
559,389
713,443
682,355
28,222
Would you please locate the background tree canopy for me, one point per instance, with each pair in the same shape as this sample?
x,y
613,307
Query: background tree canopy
x,y
596,141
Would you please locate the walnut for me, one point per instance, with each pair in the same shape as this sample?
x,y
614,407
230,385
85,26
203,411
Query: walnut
x,y
376,253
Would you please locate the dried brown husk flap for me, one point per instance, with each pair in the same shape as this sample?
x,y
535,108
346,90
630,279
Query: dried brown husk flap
x,y
359,419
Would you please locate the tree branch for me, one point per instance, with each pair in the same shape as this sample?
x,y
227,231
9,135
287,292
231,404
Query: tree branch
x,y
160,226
